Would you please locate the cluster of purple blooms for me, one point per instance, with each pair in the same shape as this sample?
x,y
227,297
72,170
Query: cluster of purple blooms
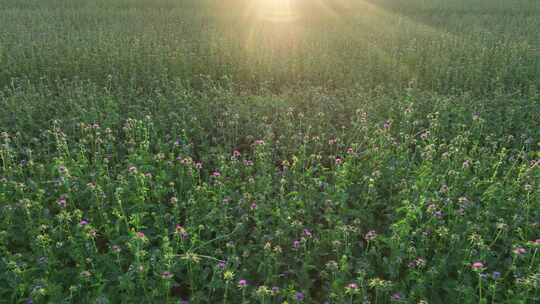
x,y
477,266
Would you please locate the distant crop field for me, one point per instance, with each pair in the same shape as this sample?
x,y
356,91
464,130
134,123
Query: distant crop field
x,y
479,46
270,151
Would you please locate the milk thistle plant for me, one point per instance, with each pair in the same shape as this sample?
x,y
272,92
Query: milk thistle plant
x,y
213,152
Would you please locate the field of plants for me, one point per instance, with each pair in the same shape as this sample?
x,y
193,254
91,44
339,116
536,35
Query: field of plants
x,y
270,151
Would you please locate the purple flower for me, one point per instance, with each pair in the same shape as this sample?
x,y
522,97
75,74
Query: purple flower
x,y
242,283
477,265
396,297
307,233
83,222
339,161
62,201
253,206
495,275
296,244
248,162
216,174
353,286
299,296
275,290
520,251
221,265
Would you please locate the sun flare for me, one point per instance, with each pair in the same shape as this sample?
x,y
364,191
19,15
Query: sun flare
x,y
275,10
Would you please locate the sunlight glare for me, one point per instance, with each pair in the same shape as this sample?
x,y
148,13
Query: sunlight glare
x,y
275,10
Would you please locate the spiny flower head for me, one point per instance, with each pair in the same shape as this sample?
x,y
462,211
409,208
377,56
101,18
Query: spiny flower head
x,y
242,283
351,288
477,265
228,275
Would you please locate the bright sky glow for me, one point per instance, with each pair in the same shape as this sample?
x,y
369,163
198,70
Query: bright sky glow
x,y
275,10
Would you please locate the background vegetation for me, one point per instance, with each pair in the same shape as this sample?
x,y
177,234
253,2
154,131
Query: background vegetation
x,y
216,152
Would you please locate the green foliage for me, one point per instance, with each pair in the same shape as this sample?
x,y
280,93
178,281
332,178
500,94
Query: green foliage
x,y
445,46
376,151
